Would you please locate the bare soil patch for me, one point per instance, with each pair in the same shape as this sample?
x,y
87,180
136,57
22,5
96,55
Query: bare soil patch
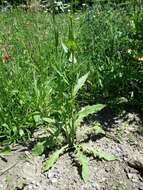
x,y
21,171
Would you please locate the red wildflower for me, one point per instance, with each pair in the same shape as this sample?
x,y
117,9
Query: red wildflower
x,y
6,56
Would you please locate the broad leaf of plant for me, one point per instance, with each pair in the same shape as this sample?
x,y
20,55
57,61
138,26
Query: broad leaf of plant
x,y
84,164
53,158
21,132
85,111
48,120
38,148
79,84
99,153
37,119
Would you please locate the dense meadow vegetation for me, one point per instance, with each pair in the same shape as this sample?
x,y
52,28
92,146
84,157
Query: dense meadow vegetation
x,y
53,65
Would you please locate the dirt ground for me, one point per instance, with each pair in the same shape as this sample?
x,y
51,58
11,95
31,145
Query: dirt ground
x,y
21,171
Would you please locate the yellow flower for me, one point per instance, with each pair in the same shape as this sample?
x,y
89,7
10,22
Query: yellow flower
x,y
139,58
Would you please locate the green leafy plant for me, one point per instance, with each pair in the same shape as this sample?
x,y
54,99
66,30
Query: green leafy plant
x,y
38,88
69,125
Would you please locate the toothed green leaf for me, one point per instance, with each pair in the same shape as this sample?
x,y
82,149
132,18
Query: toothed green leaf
x,y
53,158
98,153
83,160
80,83
104,155
85,111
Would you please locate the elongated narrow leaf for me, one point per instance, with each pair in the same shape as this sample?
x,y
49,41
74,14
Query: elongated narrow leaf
x,y
48,120
83,160
72,58
53,158
104,155
65,48
38,148
98,153
80,83
85,111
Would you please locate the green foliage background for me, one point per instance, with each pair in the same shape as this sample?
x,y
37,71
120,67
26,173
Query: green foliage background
x,y
48,53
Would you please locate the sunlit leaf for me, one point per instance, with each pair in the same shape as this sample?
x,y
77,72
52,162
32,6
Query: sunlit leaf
x,y
83,160
48,120
85,111
139,58
97,152
80,83
104,155
72,58
38,148
37,119
71,44
65,48
14,129
53,158
21,132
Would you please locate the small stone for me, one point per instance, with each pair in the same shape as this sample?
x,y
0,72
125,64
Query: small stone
x,y
125,158
102,179
28,171
54,180
30,186
133,177
33,182
50,175
37,184
95,185
1,186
